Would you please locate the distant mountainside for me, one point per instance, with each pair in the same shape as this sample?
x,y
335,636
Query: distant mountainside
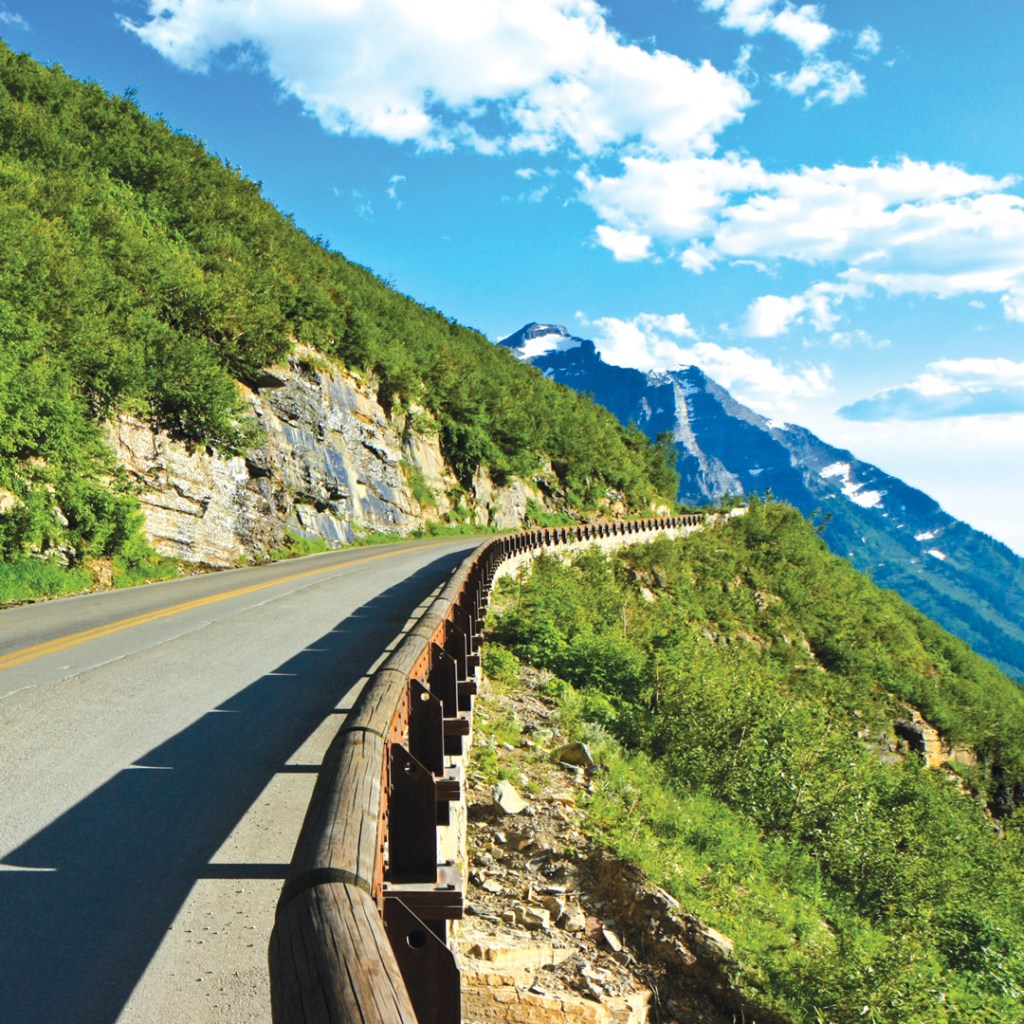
x,y
965,580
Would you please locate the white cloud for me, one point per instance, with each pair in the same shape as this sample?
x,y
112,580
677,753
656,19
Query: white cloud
x,y
771,315
962,462
948,388
755,380
803,26
657,342
800,25
821,79
818,78
625,246
650,341
858,336
507,75
536,196
697,259
1013,303
393,182
906,227
676,200
10,18
869,42
752,16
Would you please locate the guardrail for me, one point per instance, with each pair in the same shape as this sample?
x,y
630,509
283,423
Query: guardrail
x,y
362,922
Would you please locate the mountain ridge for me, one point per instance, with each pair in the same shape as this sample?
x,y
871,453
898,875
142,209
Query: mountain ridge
x,y
967,581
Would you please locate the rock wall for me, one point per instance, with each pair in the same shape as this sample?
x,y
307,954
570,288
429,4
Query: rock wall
x,y
330,465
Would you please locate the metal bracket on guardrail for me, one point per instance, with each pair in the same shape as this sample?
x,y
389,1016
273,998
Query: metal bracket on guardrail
x,y
426,727
427,965
412,820
444,680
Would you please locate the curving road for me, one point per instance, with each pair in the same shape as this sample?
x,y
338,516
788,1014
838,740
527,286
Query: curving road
x,y
158,747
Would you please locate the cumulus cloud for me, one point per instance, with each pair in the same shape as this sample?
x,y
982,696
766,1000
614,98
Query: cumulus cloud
x,y
803,26
505,76
362,205
819,78
822,79
905,227
800,25
757,381
675,200
649,341
656,342
948,387
771,315
536,196
625,246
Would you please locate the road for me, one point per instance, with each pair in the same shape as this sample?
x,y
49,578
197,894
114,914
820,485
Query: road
x,y
158,747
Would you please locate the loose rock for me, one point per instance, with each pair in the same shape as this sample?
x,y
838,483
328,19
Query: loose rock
x,y
577,754
507,799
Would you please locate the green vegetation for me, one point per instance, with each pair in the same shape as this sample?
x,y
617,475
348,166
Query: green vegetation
x,y
140,274
26,579
299,545
737,684
536,516
418,485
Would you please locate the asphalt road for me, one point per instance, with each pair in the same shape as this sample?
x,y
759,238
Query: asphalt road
x,y
158,747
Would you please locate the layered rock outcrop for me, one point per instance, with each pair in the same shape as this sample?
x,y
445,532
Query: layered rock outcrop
x,y
330,464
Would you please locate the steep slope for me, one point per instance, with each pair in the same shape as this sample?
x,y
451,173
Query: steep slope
x,y
140,277
806,763
964,579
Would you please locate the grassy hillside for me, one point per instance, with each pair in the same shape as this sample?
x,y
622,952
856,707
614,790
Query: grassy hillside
x,y
139,273
740,685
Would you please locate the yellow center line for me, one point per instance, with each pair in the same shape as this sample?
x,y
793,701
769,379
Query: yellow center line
x,y
73,639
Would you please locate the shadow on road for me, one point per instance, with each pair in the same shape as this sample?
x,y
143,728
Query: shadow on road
x,y
102,884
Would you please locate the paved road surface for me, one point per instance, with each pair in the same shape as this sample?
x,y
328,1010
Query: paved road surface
x,y
157,751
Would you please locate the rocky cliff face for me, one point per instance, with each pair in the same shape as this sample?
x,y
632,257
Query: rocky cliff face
x,y
330,464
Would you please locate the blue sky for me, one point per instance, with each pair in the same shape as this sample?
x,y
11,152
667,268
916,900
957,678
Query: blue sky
x,y
819,204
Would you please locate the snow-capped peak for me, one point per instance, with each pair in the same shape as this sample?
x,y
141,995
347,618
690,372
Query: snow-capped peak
x,y
536,340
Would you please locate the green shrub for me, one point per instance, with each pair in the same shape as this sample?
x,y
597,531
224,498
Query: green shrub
x,y
27,579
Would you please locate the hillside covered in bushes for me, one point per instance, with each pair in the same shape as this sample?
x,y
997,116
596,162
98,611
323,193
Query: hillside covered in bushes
x,y
755,703
140,274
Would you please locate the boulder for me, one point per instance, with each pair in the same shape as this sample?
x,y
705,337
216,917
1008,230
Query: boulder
x,y
576,754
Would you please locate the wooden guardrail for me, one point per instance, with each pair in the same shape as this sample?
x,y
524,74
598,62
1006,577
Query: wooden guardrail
x,y
361,930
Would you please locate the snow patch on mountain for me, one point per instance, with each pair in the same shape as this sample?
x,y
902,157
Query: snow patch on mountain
x,y
926,535
854,491
936,553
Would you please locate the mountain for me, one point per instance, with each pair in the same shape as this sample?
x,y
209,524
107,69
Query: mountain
x,y
965,580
